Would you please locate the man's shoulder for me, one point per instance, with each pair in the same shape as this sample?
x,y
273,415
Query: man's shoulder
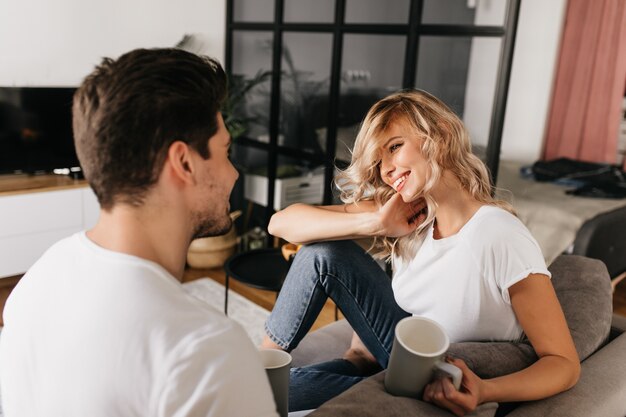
x,y
62,250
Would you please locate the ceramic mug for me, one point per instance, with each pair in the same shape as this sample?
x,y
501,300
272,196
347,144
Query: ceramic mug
x,y
277,363
417,354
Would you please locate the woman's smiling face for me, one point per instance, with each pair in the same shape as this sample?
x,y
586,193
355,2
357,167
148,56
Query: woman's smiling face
x,y
403,166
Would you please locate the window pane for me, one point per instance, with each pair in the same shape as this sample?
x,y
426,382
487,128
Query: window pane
x,y
252,55
462,71
253,10
376,11
318,11
372,68
305,87
464,12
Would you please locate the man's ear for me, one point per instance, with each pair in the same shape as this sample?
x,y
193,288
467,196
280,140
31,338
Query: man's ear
x,y
180,161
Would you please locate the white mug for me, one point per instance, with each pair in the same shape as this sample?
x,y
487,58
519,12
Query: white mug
x,y
417,354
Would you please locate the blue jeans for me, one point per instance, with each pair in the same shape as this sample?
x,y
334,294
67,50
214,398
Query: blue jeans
x,y
344,272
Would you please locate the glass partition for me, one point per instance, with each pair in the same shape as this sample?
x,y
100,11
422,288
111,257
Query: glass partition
x,y
307,11
253,10
463,12
305,85
251,84
369,73
332,71
376,11
462,71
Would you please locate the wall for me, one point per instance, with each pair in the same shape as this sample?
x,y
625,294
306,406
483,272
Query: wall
x,y
57,43
532,77
530,89
482,73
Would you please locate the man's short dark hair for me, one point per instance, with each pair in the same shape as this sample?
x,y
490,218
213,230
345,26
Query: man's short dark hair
x,y
129,111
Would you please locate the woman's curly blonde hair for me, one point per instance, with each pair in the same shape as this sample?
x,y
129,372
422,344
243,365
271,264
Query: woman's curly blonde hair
x,y
446,146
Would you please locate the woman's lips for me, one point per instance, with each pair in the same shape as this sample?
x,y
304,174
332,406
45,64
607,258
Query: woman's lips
x,y
399,183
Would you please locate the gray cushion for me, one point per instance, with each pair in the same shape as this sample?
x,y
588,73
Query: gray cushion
x,y
369,398
583,288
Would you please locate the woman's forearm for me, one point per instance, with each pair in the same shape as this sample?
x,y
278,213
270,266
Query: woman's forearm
x,y
301,223
548,376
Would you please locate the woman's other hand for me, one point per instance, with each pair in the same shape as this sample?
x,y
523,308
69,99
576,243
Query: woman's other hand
x,y
443,394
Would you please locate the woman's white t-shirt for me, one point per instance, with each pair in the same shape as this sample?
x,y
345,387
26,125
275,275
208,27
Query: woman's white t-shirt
x,y
462,281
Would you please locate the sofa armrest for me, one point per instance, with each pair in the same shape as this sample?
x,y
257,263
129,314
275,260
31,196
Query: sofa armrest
x,y
601,390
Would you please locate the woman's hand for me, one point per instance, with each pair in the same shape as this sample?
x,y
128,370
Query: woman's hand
x,y
398,218
443,394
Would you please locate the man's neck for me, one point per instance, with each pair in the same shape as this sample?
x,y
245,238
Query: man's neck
x,y
145,233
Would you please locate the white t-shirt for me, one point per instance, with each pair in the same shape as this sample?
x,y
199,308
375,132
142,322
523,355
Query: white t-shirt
x,y
92,332
462,281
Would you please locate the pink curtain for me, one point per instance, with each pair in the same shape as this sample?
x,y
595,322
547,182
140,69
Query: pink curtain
x,y
589,85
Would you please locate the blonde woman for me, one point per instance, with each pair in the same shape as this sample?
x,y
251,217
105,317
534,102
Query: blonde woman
x,y
459,257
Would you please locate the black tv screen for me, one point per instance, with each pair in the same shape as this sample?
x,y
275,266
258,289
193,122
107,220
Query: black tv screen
x,y
36,129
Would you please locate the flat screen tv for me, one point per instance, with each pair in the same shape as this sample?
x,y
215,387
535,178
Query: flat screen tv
x,y
36,129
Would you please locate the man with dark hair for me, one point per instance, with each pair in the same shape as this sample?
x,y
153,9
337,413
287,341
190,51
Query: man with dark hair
x,y
100,325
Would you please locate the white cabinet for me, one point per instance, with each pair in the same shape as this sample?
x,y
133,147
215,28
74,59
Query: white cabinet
x,y
31,223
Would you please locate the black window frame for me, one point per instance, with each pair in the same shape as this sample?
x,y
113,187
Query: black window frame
x,y
413,30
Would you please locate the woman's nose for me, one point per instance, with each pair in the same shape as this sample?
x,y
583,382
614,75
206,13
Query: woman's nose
x,y
386,169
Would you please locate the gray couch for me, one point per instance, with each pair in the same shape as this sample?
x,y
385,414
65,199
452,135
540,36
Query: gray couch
x,y
583,288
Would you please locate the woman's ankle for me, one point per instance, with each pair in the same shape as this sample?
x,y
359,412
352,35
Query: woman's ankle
x,y
363,361
268,343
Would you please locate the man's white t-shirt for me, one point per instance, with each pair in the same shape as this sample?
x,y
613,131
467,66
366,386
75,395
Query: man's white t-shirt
x,y
462,281
92,332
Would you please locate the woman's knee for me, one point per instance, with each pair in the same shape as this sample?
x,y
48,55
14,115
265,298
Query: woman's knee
x,y
334,252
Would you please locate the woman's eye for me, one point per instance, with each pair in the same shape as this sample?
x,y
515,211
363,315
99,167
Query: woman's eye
x,y
394,147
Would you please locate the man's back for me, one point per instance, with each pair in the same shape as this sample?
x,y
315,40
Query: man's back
x,y
93,332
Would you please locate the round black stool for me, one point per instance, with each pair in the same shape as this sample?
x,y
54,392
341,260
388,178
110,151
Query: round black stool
x,y
264,269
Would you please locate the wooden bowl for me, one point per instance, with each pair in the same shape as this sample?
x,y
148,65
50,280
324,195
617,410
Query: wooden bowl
x,y
212,252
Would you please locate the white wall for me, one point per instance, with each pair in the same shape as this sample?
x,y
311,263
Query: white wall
x,y
530,90
532,77
482,72
58,42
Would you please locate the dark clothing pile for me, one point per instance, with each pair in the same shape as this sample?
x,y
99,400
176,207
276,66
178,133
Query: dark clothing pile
x,y
589,179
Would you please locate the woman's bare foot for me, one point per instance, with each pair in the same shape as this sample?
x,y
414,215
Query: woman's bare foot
x,y
267,343
361,357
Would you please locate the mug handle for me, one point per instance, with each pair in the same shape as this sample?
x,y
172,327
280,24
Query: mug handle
x,y
451,371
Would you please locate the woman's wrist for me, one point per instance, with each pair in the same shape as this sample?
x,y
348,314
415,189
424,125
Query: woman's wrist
x,y
488,391
370,223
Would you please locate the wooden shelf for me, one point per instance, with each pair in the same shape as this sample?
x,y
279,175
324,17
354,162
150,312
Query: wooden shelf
x,y
24,184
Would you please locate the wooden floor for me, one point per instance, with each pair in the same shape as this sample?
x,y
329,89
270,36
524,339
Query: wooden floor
x,y
265,299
